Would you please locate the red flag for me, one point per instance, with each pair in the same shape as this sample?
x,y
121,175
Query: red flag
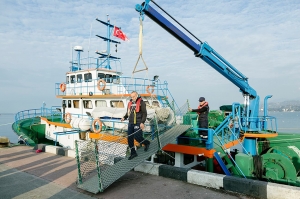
x,y
118,33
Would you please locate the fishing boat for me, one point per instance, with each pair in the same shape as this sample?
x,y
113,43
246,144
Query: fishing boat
x,y
95,95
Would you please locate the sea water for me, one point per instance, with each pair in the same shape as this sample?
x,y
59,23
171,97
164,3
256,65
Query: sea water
x,y
6,121
287,122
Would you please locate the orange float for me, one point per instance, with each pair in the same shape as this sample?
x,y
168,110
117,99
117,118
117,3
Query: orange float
x,y
94,125
101,88
62,87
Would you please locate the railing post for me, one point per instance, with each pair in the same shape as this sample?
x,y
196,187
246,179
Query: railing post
x,y
210,143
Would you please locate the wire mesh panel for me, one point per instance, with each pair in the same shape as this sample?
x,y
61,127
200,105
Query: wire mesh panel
x,y
102,162
86,156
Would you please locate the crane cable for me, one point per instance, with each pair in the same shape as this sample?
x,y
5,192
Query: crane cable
x,y
140,49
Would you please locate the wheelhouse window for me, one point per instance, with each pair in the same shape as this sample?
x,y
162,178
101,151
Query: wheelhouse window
x,y
87,104
67,80
101,75
76,103
108,78
100,103
117,103
64,105
116,79
88,77
72,79
79,78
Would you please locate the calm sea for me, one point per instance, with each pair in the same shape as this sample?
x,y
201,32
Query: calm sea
x,y
6,120
288,122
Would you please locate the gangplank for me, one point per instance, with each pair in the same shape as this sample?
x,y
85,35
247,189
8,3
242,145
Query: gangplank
x,y
94,176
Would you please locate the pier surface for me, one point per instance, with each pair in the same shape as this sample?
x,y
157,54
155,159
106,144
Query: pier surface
x,y
27,174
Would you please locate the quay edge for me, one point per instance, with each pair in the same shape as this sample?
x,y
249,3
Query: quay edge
x,y
249,187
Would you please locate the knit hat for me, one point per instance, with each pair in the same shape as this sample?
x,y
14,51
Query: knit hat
x,y
201,99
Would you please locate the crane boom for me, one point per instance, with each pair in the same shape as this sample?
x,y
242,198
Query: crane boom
x,y
202,50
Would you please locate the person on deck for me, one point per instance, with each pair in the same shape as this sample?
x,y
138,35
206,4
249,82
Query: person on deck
x,y
137,114
202,111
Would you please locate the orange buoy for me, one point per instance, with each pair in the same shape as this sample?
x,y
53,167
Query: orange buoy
x,y
68,118
101,88
95,122
62,87
148,89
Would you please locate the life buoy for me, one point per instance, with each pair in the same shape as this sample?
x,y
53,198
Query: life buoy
x,y
62,87
94,125
68,118
99,86
150,91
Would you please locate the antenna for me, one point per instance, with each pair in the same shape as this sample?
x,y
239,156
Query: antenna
x,y
78,49
89,45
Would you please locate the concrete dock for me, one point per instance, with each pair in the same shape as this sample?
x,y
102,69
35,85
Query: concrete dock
x,y
27,174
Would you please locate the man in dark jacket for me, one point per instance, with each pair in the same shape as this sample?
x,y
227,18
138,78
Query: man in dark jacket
x,y
137,114
202,111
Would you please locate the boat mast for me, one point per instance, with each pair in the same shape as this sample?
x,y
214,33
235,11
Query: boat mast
x,y
108,40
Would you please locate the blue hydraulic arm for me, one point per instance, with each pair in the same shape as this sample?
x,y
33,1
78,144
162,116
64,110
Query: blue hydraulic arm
x,y
204,51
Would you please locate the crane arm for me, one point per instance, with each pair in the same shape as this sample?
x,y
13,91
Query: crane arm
x,y
201,50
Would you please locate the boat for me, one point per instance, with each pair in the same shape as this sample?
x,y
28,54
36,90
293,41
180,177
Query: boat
x,y
94,88
94,99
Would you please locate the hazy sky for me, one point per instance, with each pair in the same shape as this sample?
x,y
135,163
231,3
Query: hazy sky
x,y
260,38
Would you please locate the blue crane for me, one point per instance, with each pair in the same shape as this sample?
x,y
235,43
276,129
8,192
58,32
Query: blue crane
x,y
205,52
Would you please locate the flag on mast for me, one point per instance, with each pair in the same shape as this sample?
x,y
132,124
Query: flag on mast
x,y
118,33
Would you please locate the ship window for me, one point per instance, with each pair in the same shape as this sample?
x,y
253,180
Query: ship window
x,y
67,80
101,76
117,104
64,105
155,103
116,79
108,78
79,78
72,79
87,104
100,103
69,104
88,77
76,103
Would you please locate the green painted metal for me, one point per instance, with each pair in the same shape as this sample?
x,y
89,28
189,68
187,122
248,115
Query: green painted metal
x,y
245,163
210,165
283,139
278,167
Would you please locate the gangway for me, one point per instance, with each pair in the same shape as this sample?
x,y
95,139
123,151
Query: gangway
x,y
95,175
